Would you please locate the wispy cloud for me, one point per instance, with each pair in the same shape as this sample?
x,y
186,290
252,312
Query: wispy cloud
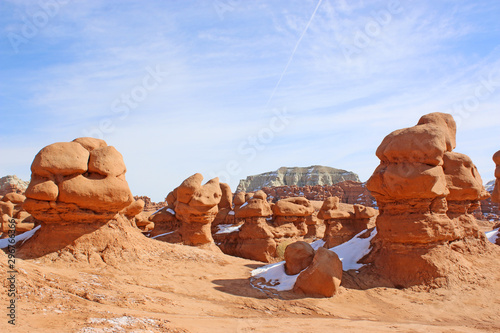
x,y
359,71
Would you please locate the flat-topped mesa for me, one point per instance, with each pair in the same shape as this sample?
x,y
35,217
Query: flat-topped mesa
x,y
82,181
426,195
293,211
495,196
343,221
256,239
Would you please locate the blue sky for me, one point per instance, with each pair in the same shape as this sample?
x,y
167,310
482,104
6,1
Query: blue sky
x,y
232,88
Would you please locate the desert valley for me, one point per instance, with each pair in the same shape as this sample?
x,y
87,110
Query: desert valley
x,y
308,249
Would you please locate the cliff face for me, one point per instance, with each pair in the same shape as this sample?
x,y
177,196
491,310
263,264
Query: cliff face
x,y
14,184
313,175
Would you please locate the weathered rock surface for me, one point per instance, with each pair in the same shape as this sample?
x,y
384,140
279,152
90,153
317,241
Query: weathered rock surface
x,y
65,188
313,175
344,221
323,277
12,183
348,191
495,196
298,256
426,195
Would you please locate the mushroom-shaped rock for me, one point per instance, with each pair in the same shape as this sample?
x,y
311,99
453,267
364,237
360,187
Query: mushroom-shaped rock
x,y
62,189
295,206
196,206
298,256
323,276
343,221
426,194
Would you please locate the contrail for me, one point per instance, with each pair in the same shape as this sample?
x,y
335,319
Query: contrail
x,y
293,53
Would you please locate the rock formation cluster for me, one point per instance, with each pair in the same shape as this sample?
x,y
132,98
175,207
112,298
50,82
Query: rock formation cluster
x,y
344,221
11,208
426,194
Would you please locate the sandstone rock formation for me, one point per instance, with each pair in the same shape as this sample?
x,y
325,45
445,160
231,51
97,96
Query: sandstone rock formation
x,y
289,216
298,256
348,191
76,189
343,221
12,183
192,207
426,194
196,206
256,240
323,277
77,182
149,205
313,175
495,196
11,208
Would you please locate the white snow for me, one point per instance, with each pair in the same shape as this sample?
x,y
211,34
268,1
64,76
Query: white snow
x,y
167,233
349,253
493,235
22,237
227,228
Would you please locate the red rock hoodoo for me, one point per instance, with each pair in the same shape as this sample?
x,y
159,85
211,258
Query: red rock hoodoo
x,y
426,194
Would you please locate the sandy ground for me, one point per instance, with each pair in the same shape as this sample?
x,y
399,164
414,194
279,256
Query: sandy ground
x,y
172,288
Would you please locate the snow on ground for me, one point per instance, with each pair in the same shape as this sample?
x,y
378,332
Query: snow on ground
x,y
227,228
493,235
22,237
349,253
167,233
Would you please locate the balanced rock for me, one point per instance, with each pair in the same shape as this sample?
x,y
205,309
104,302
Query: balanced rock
x,y
323,276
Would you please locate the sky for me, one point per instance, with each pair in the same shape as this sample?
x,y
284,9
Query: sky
x,y
231,88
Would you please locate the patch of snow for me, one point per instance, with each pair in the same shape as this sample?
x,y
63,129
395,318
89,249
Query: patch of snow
x,y
317,244
22,237
231,213
167,233
493,235
275,277
349,253
227,228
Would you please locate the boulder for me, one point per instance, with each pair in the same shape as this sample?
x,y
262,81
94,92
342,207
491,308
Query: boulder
x,y
298,256
323,276
15,198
